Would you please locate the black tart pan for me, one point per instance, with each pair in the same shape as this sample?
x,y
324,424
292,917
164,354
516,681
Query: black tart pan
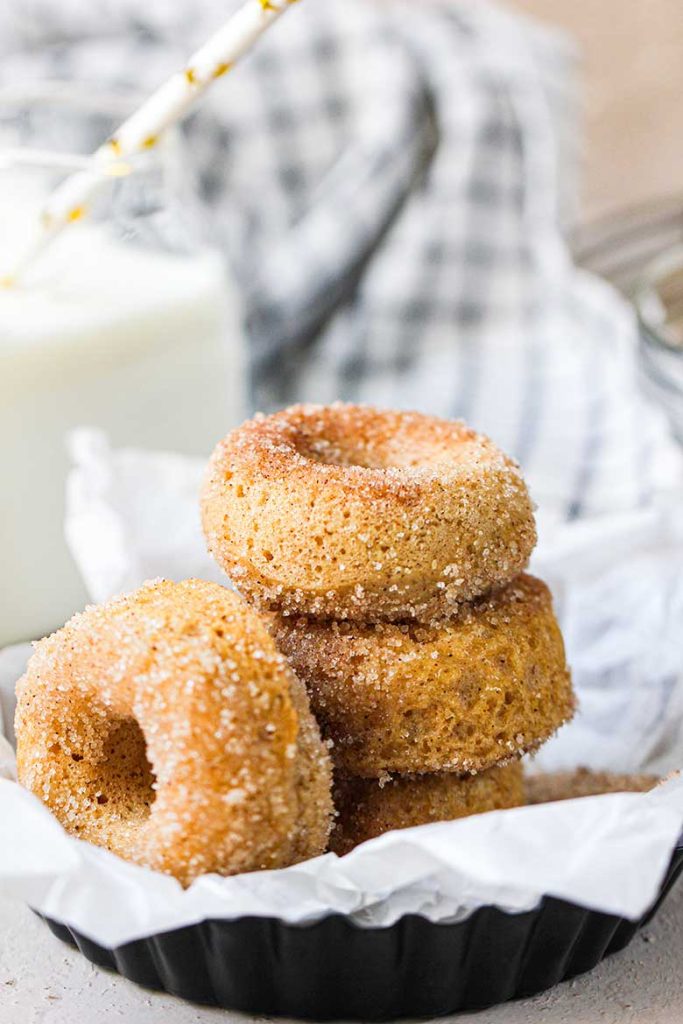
x,y
334,969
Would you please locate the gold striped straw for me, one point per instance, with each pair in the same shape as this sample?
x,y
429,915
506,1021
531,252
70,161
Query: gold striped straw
x,y
142,130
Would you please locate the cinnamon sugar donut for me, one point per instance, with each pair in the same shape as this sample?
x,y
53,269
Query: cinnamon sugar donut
x,y
349,512
166,727
483,688
367,807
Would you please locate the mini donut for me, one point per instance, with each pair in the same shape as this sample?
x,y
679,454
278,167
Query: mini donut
x,y
349,512
166,727
546,787
368,807
484,688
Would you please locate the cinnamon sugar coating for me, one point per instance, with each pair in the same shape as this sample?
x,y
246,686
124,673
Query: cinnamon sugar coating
x,y
349,512
368,807
477,691
547,787
166,727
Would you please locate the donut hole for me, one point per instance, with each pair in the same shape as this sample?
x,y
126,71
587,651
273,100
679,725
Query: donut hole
x,y
107,765
339,451
127,782
368,441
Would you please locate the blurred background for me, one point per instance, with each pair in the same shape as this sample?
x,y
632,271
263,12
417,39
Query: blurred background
x,y
630,82
470,208
631,79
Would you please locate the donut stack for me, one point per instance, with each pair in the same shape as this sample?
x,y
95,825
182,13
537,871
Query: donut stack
x,y
388,549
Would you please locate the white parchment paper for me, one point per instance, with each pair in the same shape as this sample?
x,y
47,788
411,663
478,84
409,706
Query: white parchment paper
x,y
619,591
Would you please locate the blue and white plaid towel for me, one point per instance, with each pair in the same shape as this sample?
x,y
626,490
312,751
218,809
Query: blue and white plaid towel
x,y
389,180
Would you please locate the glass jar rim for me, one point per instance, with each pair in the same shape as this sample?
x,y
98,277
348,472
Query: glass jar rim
x,y
648,303
117,104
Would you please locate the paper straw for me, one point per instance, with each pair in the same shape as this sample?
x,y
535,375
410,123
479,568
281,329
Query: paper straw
x,y
143,129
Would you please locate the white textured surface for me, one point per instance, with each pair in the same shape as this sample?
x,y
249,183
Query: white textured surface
x,y
42,981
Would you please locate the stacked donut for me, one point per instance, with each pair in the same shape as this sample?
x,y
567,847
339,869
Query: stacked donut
x,y
388,550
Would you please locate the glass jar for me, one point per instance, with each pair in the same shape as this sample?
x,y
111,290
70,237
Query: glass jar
x,y
127,322
658,298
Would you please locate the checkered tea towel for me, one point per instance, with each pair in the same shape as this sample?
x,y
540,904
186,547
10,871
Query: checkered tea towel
x,y
389,180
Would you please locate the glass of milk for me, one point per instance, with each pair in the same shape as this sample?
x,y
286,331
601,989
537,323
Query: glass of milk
x,y
127,322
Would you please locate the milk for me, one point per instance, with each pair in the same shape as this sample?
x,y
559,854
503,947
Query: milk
x,y
142,343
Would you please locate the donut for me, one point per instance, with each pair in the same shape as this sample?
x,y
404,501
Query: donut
x,y
166,727
348,512
546,787
481,689
367,807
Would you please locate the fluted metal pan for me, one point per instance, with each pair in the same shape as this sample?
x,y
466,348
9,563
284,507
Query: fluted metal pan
x,y
333,969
